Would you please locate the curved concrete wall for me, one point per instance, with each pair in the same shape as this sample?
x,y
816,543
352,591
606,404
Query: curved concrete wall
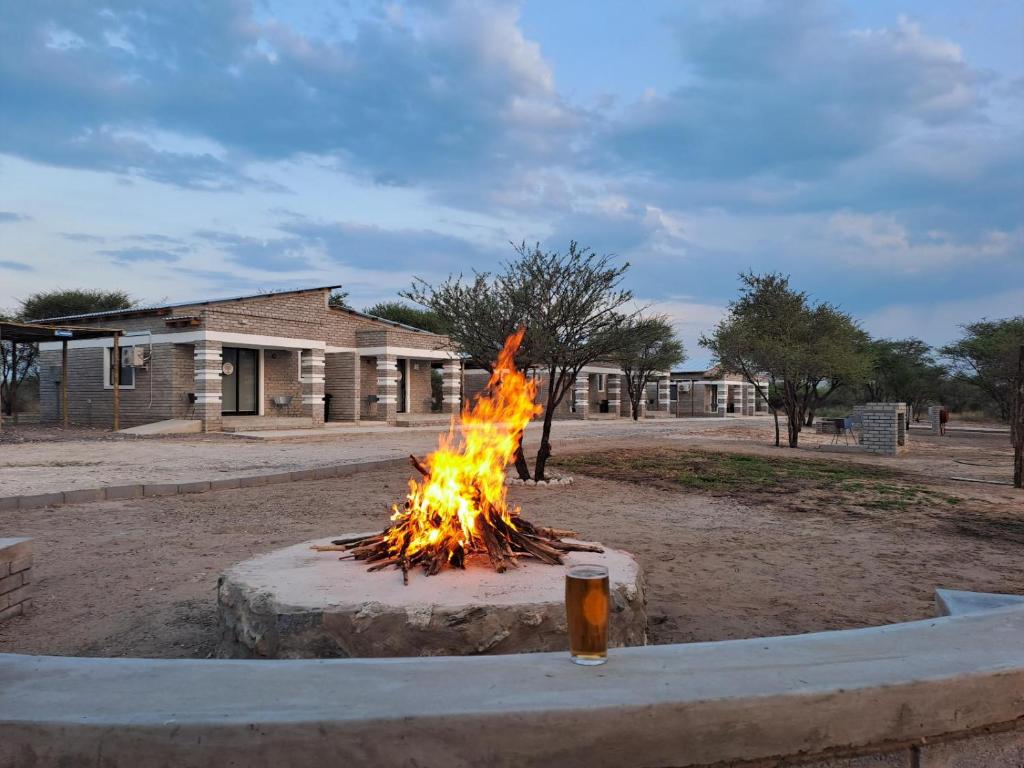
x,y
891,691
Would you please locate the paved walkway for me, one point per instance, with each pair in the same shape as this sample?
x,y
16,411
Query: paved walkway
x,y
46,467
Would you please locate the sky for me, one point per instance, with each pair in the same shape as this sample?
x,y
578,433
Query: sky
x,y
871,150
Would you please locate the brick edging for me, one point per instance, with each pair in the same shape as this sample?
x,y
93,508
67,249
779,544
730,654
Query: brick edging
x,y
147,490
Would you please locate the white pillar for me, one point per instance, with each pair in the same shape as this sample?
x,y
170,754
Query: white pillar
x,y
451,386
581,395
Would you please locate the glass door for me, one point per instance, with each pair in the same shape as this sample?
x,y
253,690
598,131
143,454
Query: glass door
x,y
240,382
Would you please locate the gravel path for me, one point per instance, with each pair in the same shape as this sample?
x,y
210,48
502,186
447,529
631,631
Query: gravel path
x,y
46,466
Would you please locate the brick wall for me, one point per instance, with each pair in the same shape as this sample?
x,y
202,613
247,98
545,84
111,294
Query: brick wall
x,y
160,391
368,387
15,577
342,375
419,386
281,378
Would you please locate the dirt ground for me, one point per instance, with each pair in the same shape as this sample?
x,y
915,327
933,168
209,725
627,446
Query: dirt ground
x,y
138,578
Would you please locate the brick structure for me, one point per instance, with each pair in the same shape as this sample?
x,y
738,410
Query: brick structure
x,y
715,393
15,577
451,387
883,428
286,350
935,419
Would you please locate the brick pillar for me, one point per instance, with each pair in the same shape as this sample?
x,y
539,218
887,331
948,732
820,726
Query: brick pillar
x,y
615,394
664,398
208,361
581,395
387,387
934,418
451,386
313,384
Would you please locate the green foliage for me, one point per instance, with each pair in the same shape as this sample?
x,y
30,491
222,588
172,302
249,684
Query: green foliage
x,y
806,350
649,346
991,356
76,301
986,357
903,371
400,312
338,299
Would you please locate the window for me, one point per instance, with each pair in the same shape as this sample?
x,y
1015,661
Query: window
x,y
127,374
600,382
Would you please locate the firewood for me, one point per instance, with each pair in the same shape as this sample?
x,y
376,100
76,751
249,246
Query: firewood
x,y
418,466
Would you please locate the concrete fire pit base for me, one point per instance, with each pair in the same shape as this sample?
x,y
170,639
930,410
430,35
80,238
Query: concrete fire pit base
x,y
297,603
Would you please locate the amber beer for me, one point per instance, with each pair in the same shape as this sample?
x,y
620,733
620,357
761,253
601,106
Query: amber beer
x,y
586,611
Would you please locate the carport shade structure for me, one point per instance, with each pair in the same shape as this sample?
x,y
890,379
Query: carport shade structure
x,y
23,333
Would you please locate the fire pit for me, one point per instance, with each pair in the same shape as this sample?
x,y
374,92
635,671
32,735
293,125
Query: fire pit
x,y
300,603
492,587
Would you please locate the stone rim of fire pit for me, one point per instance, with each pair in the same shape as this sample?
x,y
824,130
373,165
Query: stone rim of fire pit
x,y
299,603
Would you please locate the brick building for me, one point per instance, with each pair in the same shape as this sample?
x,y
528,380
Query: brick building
x,y
714,393
244,359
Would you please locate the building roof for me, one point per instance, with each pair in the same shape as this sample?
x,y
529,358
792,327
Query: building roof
x,y
137,311
30,333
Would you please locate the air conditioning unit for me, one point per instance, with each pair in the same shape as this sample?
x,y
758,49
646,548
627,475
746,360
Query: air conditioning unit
x,y
134,357
684,386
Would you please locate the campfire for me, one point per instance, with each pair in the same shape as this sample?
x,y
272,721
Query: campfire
x,y
458,508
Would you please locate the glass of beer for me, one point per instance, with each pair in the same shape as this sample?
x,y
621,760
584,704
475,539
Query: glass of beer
x,y
586,611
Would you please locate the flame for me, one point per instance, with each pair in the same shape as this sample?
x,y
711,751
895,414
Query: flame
x,y
466,483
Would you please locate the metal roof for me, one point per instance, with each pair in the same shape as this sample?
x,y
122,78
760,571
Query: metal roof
x,y
30,333
135,311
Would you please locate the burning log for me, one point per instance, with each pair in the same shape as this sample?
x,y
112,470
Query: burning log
x,y
458,507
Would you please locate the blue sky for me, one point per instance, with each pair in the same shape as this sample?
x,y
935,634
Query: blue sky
x,y
872,150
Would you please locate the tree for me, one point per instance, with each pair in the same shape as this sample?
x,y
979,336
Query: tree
x,y
649,346
903,371
991,356
338,299
807,351
65,302
18,362
570,303
399,312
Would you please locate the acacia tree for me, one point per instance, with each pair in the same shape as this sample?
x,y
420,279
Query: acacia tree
x,y
571,305
649,346
807,351
904,371
400,312
991,356
18,361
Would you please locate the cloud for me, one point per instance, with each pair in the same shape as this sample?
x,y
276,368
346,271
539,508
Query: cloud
x,y
938,322
16,266
134,255
187,93
8,217
781,88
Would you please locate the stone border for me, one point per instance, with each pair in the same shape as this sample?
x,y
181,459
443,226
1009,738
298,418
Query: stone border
x,y
933,693
146,490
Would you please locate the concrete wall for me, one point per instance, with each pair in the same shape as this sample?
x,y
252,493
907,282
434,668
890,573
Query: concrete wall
x,y
942,693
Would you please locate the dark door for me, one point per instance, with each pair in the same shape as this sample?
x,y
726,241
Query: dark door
x,y
240,387
403,366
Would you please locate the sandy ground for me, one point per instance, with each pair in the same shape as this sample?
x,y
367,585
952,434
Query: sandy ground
x,y
138,578
93,459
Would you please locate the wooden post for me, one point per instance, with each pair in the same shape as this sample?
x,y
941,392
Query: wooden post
x,y
12,383
115,378
64,382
